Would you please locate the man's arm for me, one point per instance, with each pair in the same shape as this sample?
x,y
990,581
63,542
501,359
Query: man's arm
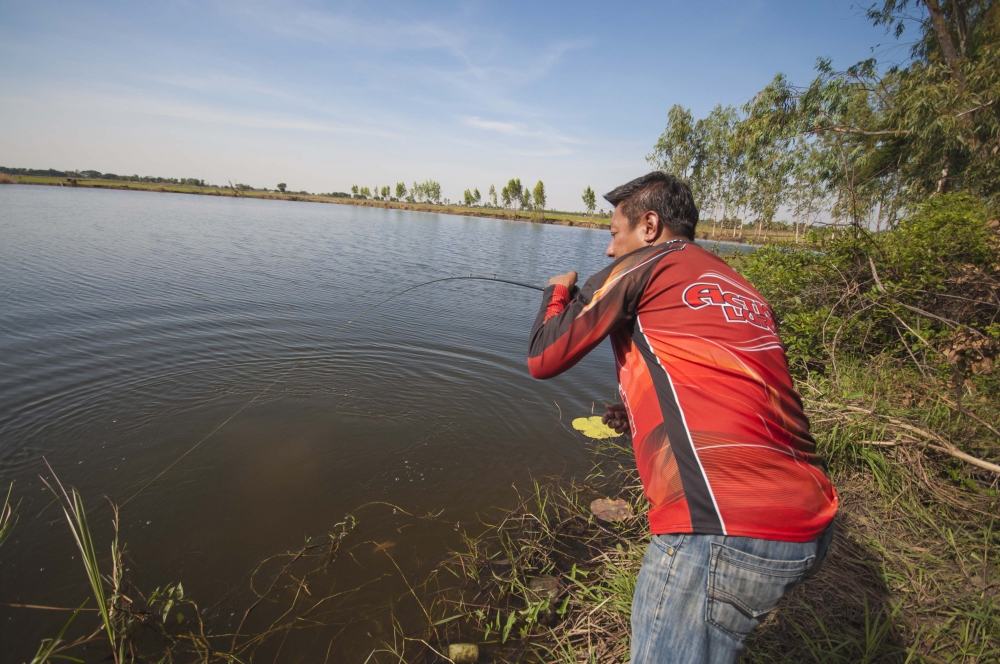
x,y
567,328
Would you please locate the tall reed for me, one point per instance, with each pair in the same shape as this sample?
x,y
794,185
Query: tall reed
x,y
106,590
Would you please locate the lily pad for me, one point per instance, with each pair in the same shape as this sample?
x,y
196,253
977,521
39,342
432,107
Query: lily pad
x,y
593,427
611,509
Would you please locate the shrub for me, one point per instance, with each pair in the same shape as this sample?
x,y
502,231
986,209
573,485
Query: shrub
x,y
925,292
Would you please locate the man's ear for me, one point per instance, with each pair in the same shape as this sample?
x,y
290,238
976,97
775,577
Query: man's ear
x,y
651,226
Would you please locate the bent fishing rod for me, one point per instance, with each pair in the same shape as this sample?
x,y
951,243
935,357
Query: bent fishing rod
x,y
472,277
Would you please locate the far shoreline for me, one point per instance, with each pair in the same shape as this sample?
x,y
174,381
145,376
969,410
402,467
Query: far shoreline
x,y
556,218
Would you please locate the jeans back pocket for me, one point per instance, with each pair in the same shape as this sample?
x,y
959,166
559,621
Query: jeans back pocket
x,y
743,588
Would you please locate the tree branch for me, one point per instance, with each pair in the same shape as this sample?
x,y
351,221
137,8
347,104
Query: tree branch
x,y
843,129
944,41
933,440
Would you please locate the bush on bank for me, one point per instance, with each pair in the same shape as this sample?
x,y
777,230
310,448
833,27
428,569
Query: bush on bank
x,y
924,294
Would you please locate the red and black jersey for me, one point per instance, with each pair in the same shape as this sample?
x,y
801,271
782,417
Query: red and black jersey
x,y
720,437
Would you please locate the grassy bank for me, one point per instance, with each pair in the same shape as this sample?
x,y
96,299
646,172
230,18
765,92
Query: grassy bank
x,y
912,574
709,230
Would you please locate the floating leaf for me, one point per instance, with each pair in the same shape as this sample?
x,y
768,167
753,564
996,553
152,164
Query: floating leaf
x,y
611,509
593,427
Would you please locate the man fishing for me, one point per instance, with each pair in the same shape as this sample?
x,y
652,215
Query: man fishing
x,y
740,506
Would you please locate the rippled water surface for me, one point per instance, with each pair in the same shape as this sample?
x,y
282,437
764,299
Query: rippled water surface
x,y
219,368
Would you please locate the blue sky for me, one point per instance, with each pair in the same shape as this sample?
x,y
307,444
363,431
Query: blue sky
x,y
326,95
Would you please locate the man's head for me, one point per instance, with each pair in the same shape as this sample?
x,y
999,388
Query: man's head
x,y
649,210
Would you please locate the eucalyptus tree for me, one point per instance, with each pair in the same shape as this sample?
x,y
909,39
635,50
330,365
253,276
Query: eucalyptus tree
x,y
493,196
767,152
865,142
433,190
515,192
680,150
721,162
539,195
887,138
946,103
676,150
589,200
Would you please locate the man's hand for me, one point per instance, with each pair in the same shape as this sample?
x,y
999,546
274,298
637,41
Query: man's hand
x,y
568,280
616,417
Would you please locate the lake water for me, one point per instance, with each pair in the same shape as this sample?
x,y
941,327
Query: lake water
x,y
218,368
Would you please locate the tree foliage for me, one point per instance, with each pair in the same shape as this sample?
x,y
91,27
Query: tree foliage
x,y
513,192
589,199
538,195
428,191
867,142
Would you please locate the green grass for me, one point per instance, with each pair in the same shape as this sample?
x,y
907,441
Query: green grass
x,y
911,576
106,589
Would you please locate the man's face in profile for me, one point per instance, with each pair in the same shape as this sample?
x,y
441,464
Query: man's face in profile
x,y
624,237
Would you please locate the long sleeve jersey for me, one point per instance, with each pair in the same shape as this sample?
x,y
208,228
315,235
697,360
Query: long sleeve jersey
x,y
720,437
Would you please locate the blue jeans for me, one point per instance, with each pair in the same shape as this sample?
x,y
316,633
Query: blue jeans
x,y
699,596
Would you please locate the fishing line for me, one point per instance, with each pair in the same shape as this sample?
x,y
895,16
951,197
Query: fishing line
x,y
288,373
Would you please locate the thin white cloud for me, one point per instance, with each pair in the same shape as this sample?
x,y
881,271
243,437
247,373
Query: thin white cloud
x,y
213,82
519,130
340,29
545,153
141,103
510,128
483,68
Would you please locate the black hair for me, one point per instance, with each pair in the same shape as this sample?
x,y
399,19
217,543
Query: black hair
x,y
666,195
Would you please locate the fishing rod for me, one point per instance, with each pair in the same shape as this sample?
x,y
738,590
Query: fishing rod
x,y
229,418
472,277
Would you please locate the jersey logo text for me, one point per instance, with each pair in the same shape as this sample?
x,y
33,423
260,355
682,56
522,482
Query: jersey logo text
x,y
736,307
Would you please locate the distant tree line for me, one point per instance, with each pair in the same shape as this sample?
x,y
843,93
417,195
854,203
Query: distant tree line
x,y
513,195
98,175
428,191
